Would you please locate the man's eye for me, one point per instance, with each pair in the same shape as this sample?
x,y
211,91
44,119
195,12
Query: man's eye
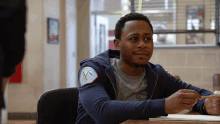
x,y
147,38
134,38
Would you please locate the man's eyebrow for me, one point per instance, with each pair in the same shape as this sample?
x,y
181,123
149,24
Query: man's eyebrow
x,y
138,34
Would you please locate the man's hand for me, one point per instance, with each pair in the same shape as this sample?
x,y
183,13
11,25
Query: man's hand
x,y
183,99
212,106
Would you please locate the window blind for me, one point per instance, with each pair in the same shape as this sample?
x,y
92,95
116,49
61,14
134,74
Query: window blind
x,y
179,14
175,21
169,18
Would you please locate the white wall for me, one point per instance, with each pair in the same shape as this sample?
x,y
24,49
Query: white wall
x,y
105,5
97,5
113,5
68,44
113,20
71,43
63,45
194,66
92,36
83,31
51,51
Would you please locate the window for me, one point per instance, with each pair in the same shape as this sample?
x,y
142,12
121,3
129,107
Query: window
x,y
180,22
175,22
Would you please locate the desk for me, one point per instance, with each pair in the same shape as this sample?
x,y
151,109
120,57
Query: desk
x,y
171,121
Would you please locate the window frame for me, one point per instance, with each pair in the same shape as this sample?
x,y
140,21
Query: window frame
x,y
216,32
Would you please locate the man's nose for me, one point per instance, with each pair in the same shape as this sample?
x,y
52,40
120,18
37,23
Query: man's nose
x,y
142,44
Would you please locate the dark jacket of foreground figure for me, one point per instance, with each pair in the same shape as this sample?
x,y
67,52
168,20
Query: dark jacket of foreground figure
x,y
12,38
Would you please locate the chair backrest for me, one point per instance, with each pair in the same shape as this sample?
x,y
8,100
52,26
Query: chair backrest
x,y
58,106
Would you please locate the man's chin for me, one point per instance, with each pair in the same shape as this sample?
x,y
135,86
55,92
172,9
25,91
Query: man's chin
x,y
137,65
140,64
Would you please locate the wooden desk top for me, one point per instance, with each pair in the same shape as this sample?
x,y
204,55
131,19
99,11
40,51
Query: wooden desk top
x,y
171,121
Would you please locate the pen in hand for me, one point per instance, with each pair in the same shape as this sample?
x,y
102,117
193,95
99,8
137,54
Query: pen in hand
x,y
211,96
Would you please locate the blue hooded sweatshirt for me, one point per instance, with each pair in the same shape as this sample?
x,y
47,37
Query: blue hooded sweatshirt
x,y
97,102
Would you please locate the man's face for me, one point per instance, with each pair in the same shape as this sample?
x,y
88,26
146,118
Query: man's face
x,y
136,45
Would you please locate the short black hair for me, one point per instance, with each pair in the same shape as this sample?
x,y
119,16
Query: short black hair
x,y
129,17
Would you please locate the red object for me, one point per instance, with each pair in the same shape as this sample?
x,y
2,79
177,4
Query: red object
x,y
111,45
170,74
53,37
199,13
17,77
111,33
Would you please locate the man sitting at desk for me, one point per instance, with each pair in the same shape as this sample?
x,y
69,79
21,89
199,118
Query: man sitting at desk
x,y
122,84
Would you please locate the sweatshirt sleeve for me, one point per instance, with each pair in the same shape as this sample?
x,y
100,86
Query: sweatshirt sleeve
x,y
104,110
173,84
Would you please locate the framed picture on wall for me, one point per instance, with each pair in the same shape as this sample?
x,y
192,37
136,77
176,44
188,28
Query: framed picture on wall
x,y
195,21
53,31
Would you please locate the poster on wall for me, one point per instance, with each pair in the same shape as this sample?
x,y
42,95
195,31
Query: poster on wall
x,y
195,21
53,31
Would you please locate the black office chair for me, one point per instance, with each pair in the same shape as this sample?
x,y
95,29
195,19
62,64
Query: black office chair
x,y
58,106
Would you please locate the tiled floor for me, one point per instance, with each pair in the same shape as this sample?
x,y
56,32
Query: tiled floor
x,y
21,122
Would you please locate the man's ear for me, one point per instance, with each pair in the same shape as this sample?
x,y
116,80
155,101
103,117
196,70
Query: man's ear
x,y
117,44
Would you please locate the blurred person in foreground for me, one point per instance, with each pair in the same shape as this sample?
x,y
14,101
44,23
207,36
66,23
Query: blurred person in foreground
x,y
12,40
122,84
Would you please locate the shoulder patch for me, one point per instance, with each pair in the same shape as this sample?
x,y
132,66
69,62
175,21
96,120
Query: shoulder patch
x,y
170,74
87,76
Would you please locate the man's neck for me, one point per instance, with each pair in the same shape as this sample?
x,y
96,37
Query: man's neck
x,y
129,70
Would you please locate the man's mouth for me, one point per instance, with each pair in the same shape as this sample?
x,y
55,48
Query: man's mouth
x,y
141,53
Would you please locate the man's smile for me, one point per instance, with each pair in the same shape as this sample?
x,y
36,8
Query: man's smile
x,y
141,53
